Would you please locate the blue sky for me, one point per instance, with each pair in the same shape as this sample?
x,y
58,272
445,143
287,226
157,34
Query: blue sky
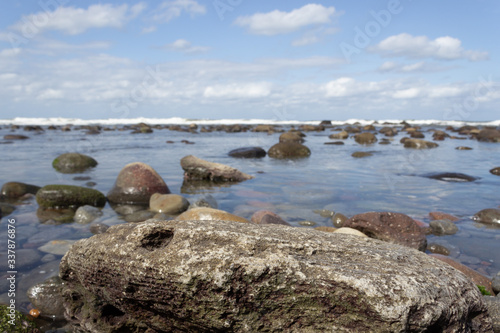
x,y
284,60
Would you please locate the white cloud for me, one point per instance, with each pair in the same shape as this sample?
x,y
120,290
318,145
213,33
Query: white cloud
x,y
50,94
306,40
184,46
73,21
148,30
406,93
168,10
346,86
421,66
278,22
10,53
238,90
442,48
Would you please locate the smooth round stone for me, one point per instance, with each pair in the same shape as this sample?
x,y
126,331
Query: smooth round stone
x,y
289,150
139,216
495,283
98,228
341,135
25,258
291,137
47,298
338,220
135,184
206,200
324,213
168,203
57,247
489,215
307,223
350,231
439,249
443,227
451,177
73,163
361,154
495,171
419,144
337,143
365,138
248,152
463,148
17,189
87,214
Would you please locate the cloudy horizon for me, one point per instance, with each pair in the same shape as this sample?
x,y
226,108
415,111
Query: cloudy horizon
x,y
239,59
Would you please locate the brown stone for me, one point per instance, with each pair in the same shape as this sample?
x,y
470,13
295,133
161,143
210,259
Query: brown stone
x,y
197,169
267,217
442,216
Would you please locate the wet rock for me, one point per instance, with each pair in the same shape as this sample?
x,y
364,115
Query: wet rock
x,y
451,177
6,209
307,223
475,277
17,189
443,227
46,297
440,135
495,171
55,215
289,150
139,216
24,259
206,200
98,228
127,209
87,214
419,144
338,143
15,137
394,228
438,249
489,215
495,283
463,148
493,305
209,214
165,273
73,163
326,213
340,135
417,135
248,152
57,247
197,169
135,184
361,154
168,203
267,217
291,137
365,138
338,220
489,135
69,196
388,131
264,128
442,216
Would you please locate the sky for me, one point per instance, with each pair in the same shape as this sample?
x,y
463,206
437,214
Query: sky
x,y
281,60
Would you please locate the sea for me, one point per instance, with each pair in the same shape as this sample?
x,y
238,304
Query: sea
x,y
392,179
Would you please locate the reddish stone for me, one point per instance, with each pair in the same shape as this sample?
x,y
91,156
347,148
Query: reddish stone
x,y
135,184
442,216
394,228
267,217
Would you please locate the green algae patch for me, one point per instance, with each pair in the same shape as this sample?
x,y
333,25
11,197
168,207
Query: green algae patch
x,y
14,321
58,196
73,163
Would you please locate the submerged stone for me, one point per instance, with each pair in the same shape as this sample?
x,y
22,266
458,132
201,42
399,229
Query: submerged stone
x,y
69,196
73,163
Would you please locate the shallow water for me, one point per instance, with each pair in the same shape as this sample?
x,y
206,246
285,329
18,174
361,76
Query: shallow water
x,y
390,180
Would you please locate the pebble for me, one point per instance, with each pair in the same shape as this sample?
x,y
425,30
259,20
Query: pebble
x,y
324,213
439,249
57,247
168,203
463,148
338,220
495,283
350,231
139,216
307,223
443,227
86,214
495,171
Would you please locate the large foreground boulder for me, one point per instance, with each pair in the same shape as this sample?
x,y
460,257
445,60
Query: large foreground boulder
x,y
191,276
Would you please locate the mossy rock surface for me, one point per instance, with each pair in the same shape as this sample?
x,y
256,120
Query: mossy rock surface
x,y
17,189
21,322
73,163
289,150
69,196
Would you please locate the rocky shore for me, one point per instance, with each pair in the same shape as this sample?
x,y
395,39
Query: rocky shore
x,y
173,262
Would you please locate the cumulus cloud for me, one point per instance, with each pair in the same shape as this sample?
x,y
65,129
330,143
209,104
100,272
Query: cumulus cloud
x,y
168,10
279,22
73,21
184,46
442,48
238,90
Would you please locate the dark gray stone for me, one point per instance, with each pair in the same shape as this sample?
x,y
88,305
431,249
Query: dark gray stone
x,y
443,227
